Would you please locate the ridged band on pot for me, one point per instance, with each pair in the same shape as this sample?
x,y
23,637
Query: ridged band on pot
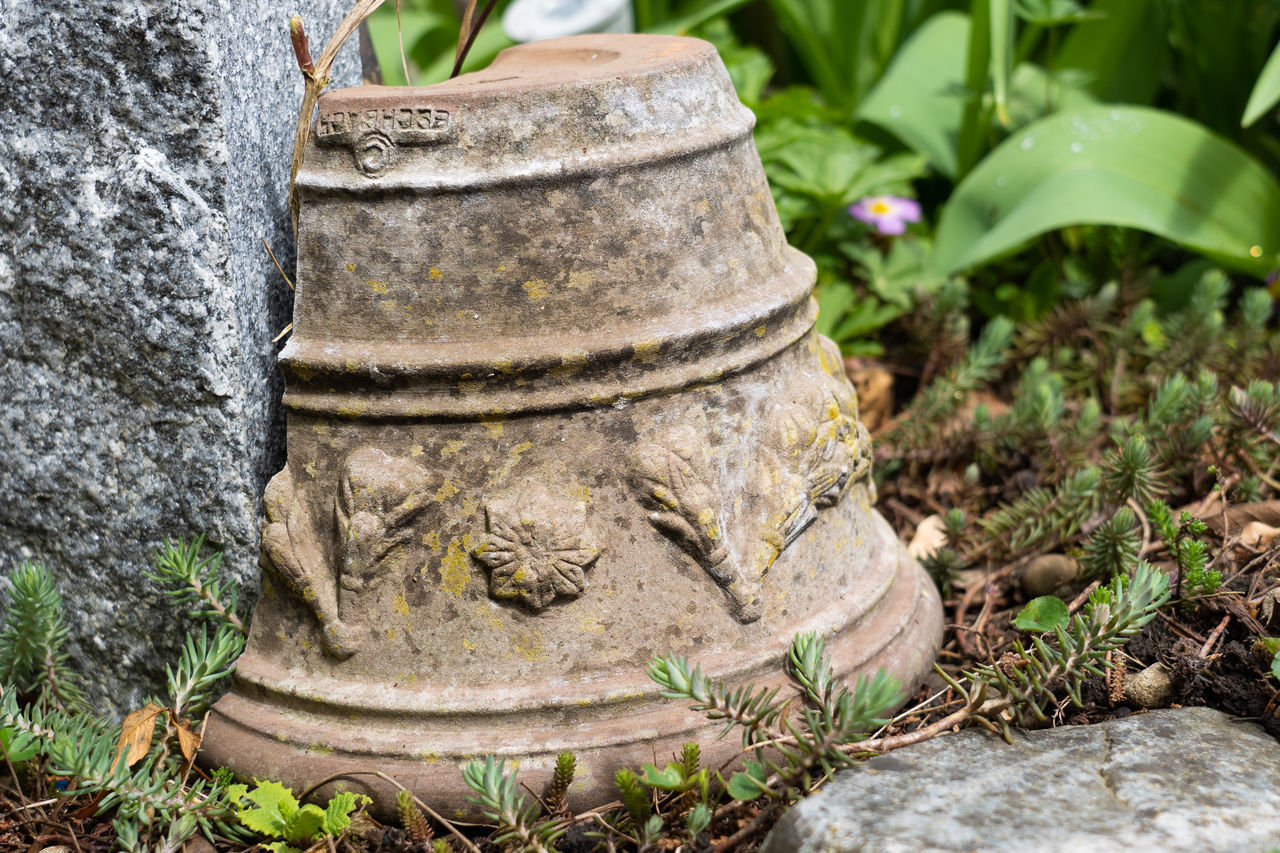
x,y
555,406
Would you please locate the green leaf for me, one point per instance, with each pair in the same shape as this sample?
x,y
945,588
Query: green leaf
x,y
1001,55
1275,665
337,815
920,97
23,753
1122,50
1266,91
280,847
275,806
1110,165
305,823
670,778
386,34
748,785
1042,614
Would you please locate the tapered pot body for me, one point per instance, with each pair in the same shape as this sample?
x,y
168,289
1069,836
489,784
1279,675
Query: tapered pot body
x,y
555,406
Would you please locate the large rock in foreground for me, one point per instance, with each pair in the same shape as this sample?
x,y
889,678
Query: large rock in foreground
x,y
144,150
1174,780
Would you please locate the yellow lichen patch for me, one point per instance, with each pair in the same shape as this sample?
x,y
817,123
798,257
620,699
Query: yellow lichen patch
x,y
388,304
350,410
528,645
760,330
306,644
570,363
517,451
501,268
303,374
469,504
591,625
400,605
351,267
536,288
646,352
378,286
580,491
505,366
579,280
707,518
602,399
415,450
352,366
432,540
310,468
446,491
434,274
490,616
455,569
391,633
703,207
451,447
495,428
469,644
430,757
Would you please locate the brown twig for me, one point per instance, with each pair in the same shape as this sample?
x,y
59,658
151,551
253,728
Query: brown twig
x,y
467,33
1213,636
315,77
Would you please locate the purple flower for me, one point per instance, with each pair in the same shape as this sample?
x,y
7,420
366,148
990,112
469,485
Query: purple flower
x,y
888,213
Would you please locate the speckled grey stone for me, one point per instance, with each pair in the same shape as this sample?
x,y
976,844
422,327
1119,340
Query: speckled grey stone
x,y
144,149
1173,780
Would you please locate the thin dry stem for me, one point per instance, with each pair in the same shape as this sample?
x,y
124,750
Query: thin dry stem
x,y
315,80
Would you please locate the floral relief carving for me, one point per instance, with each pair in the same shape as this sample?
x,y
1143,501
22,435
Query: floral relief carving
x,y
817,451
379,497
537,546
672,479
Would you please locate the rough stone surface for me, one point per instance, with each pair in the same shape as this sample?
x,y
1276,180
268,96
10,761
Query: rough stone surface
x,y
1174,780
144,149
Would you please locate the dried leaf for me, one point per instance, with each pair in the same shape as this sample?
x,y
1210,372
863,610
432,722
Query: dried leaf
x,y
188,740
931,535
136,733
875,392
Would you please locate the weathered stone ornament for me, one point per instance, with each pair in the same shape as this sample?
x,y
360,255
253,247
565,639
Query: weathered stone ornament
x,y
556,405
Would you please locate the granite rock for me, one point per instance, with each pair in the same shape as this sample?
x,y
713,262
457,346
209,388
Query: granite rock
x,y
144,150
1191,779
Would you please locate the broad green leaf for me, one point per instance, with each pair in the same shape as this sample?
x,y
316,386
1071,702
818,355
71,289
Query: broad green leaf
x,y
1121,49
1110,165
1275,665
670,778
1042,614
699,15
275,805
337,815
1266,91
304,824
921,98
25,751
747,785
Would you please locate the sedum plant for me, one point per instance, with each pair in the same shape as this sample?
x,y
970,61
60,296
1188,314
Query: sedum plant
x,y
139,769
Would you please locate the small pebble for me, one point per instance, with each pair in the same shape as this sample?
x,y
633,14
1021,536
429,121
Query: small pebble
x,y
1046,573
1151,688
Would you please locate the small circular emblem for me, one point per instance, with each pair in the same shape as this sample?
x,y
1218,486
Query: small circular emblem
x,y
373,153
